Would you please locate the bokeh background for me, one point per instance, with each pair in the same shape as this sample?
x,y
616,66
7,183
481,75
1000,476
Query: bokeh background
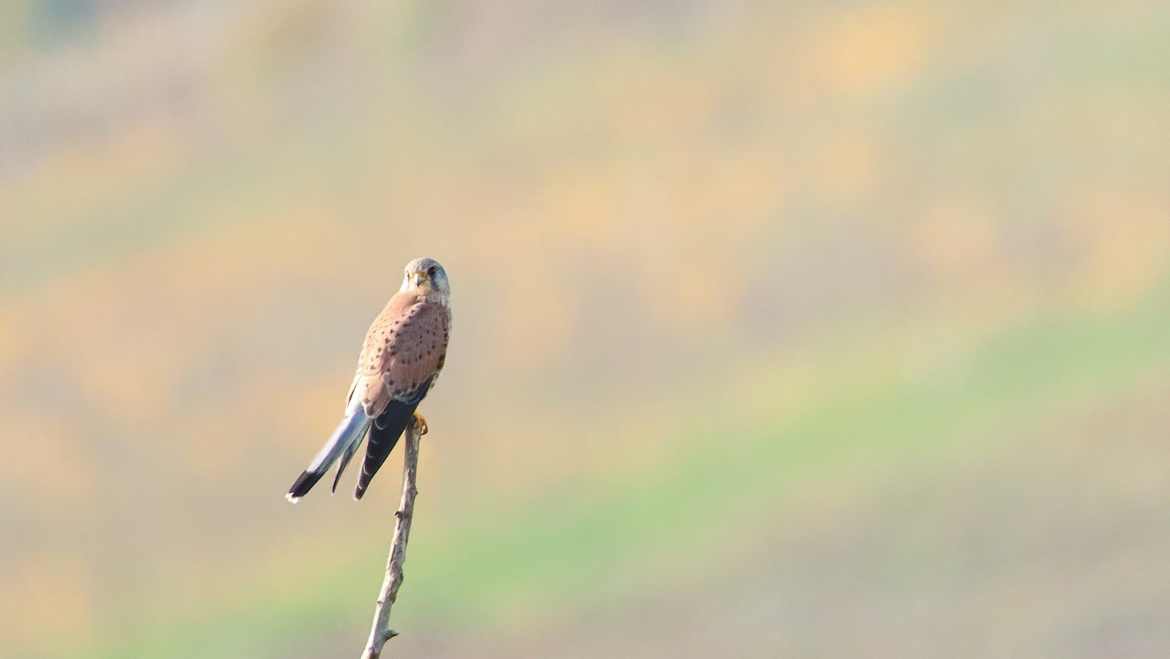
x,y
810,329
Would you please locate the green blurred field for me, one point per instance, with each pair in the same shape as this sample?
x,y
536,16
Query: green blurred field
x,y
802,331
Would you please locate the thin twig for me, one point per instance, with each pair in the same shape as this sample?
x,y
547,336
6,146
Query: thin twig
x,y
380,631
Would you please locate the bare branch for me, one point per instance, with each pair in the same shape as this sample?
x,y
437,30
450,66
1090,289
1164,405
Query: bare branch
x,y
380,631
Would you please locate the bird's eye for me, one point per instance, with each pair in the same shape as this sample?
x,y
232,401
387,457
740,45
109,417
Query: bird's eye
x,y
432,270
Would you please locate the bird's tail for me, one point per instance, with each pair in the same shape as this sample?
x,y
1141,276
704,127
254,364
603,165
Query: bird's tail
x,y
349,433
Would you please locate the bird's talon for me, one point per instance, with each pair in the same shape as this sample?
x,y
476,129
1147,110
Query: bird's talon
x,y
420,422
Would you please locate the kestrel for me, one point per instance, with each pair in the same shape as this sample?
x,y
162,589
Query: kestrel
x,y
405,348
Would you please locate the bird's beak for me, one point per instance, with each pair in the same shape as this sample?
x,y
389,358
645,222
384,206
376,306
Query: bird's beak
x,y
418,278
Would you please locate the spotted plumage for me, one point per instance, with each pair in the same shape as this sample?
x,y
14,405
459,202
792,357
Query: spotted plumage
x,y
404,351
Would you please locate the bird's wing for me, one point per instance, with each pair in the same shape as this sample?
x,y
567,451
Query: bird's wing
x,y
405,351
384,434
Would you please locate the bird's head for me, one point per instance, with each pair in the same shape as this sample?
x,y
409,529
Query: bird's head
x,y
426,276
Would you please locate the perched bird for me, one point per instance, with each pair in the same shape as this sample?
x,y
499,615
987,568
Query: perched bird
x,y
405,348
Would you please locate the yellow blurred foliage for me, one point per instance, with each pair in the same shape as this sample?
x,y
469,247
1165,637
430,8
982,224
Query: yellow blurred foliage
x,y
863,50
1129,249
49,586
958,243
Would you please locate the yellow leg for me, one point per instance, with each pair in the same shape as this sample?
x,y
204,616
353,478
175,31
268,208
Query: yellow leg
x,y
420,422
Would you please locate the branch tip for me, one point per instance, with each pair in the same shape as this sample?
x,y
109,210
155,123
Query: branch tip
x,y
381,632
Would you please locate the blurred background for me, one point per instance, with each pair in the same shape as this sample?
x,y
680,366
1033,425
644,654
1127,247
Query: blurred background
x,y
783,329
